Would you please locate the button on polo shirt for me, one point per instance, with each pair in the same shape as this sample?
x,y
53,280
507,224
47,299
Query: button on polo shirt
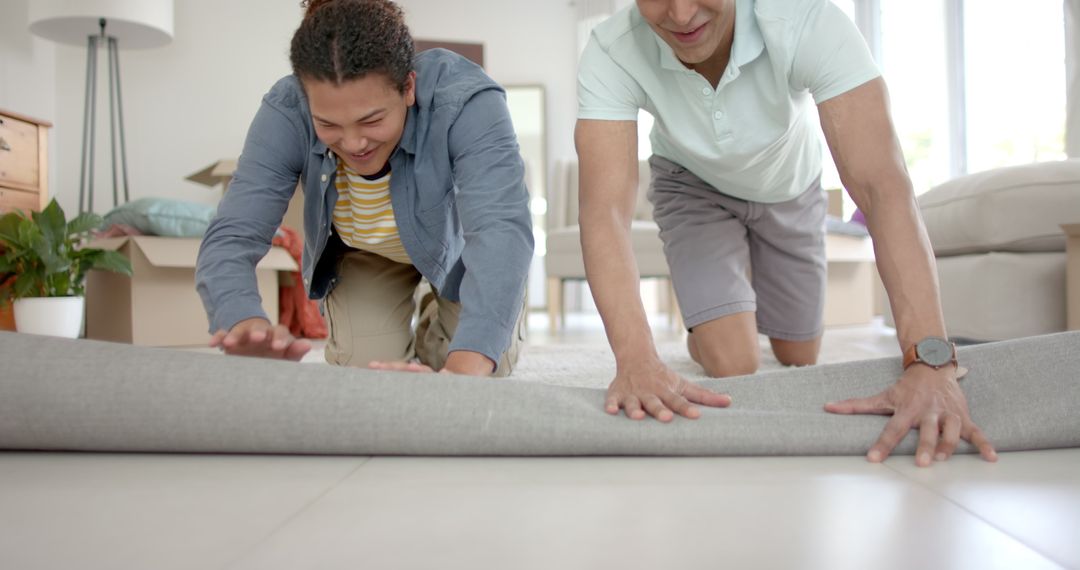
x,y
753,136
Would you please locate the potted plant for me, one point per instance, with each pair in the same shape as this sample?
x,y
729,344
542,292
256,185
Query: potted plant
x,y
43,268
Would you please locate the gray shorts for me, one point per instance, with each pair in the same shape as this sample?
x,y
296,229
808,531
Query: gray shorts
x,y
712,240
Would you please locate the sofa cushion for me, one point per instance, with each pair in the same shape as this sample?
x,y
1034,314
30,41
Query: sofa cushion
x,y
1017,208
563,257
998,296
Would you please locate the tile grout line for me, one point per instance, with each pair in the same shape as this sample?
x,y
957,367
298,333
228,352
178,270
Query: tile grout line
x,y
292,517
989,523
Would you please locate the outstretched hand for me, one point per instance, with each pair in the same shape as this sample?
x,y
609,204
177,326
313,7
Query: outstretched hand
x,y
257,337
649,387
928,400
399,366
465,362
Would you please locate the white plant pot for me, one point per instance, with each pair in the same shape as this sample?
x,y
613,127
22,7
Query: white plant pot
x,y
51,316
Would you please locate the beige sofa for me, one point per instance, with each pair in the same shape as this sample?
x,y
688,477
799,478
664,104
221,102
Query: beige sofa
x,y
851,282
1000,249
563,260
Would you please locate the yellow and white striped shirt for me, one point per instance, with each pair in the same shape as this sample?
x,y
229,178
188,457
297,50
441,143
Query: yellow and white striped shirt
x,y
364,217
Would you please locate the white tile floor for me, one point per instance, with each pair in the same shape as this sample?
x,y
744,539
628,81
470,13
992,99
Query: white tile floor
x,y
264,512
164,512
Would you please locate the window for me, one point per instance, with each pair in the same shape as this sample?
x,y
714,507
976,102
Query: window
x,y
848,6
1009,105
1015,67
830,177
914,62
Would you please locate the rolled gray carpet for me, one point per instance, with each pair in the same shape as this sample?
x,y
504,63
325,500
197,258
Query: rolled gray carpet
x,y
91,396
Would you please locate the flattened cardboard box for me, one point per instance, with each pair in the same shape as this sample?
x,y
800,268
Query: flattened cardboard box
x,y
849,294
158,304
220,173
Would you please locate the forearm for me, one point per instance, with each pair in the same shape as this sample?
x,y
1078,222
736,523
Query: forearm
x,y
607,155
496,258
225,276
905,260
871,164
492,205
614,281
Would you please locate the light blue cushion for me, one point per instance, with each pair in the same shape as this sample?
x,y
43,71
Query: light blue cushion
x,y
163,217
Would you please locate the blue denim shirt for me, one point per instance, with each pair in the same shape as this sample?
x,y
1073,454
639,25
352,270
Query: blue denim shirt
x,y
458,195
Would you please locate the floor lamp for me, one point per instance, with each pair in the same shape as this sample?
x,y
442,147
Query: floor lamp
x,y
135,24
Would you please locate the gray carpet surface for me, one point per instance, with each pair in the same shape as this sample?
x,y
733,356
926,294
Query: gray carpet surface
x,y
84,395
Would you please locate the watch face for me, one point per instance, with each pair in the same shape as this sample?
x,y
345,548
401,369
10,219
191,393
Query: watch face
x,y
934,351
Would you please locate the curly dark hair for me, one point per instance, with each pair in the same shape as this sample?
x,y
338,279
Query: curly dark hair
x,y
342,40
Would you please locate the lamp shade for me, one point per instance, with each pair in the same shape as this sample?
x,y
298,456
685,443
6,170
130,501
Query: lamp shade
x,y
134,23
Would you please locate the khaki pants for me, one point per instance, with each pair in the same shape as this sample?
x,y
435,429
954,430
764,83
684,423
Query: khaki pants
x,y
370,313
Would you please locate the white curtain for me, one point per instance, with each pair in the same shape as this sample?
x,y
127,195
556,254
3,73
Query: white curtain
x,y
1072,67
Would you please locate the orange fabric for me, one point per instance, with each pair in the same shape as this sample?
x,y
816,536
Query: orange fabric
x,y
7,309
298,312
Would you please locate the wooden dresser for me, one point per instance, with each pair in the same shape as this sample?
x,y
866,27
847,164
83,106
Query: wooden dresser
x,y
24,173
24,162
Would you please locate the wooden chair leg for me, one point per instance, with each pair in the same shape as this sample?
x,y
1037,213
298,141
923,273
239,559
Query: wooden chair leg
x,y
674,314
554,302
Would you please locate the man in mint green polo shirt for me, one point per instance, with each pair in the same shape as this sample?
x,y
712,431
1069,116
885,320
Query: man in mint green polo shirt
x,y
736,184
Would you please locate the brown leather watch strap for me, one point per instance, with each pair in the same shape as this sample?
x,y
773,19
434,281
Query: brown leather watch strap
x,y
910,356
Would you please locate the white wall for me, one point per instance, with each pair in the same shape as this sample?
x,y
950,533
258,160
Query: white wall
x,y
525,42
190,103
185,104
28,74
1072,67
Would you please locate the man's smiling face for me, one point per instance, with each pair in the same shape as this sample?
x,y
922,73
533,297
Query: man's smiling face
x,y
694,29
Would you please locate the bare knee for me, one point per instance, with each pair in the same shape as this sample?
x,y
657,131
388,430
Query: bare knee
x,y
727,346
724,369
796,360
730,363
796,353
722,361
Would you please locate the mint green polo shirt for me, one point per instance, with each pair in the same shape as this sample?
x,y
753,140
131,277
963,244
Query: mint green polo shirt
x,y
754,136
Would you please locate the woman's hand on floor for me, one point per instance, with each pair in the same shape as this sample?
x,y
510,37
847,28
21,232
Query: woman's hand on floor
x,y
399,366
257,337
463,362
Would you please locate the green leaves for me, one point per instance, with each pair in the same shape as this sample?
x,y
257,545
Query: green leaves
x,y
43,253
83,223
51,223
111,261
9,228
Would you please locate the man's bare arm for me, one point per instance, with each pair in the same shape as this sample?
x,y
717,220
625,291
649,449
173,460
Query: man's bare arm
x,y
860,134
607,156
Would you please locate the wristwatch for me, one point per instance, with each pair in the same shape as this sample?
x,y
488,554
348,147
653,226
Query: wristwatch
x,y
932,351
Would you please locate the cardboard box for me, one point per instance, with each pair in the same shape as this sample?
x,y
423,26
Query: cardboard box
x,y
218,173
221,172
158,304
849,294
1072,276
835,202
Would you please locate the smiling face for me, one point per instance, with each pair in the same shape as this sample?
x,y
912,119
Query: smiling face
x,y
695,29
360,120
